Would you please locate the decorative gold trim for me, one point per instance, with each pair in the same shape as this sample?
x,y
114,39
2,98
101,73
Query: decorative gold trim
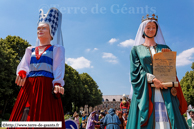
x,y
149,18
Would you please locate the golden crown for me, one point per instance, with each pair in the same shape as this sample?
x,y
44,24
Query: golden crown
x,y
150,18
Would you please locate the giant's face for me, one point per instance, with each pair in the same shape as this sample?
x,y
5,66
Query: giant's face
x,y
43,31
150,29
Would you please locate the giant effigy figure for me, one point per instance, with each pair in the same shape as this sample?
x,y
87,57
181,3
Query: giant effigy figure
x,y
40,74
152,107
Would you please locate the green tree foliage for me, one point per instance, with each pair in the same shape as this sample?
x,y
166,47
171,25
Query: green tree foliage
x,y
187,84
80,90
12,49
73,89
92,95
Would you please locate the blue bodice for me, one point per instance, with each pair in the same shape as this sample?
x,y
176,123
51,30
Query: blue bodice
x,y
42,66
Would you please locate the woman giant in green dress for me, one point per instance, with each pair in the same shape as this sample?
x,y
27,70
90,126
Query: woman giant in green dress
x,y
152,107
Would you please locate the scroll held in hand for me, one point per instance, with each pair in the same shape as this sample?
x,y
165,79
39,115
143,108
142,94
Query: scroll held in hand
x,y
164,67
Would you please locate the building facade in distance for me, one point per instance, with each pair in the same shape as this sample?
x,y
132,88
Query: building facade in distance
x,y
108,101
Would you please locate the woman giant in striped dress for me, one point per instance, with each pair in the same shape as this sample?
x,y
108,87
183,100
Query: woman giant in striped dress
x,y
40,74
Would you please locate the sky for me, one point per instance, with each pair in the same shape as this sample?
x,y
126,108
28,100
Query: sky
x,y
98,34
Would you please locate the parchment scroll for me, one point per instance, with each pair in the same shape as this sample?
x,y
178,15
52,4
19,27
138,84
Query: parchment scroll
x,y
164,66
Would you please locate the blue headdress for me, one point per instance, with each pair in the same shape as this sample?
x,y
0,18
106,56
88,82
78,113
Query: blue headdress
x,y
54,19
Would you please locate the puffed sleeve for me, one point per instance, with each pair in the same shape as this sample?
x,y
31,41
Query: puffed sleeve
x,y
25,62
58,65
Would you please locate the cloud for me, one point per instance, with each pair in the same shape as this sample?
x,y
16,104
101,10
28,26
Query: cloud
x,y
79,63
87,50
185,57
111,41
127,43
109,57
95,49
112,61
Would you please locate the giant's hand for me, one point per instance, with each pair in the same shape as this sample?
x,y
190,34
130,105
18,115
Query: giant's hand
x,y
158,84
59,89
165,50
19,81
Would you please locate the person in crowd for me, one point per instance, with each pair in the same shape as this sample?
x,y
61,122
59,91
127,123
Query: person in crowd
x,y
105,111
190,121
91,120
100,116
111,120
101,120
84,120
124,105
125,120
97,116
76,117
121,119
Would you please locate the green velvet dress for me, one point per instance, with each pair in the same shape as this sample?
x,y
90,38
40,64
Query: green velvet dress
x,y
141,114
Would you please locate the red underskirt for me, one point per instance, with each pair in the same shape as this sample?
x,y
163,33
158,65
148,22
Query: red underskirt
x,y
37,94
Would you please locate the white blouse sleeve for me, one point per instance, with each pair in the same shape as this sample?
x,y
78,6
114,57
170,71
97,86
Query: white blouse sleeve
x,y
25,62
150,77
58,64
